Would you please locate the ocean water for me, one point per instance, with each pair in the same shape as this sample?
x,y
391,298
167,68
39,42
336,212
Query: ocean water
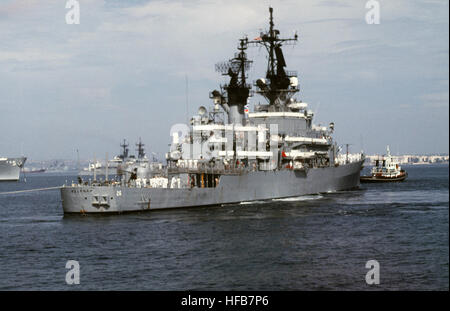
x,y
314,242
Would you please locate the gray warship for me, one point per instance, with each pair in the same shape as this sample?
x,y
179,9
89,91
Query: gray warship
x,y
10,168
123,164
140,165
230,155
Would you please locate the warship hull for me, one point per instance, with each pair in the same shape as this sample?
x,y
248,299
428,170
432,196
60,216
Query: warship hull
x,y
258,185
10,168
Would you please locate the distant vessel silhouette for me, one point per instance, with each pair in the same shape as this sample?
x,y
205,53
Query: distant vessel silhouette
x,y
10,168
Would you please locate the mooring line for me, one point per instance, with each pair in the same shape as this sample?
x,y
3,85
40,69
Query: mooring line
x,y
31,190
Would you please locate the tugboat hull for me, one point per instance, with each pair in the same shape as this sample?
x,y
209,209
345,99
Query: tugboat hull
x,y
380,179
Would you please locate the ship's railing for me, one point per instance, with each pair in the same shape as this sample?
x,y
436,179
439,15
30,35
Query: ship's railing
x,y
207,170
196,167
91,182
350,158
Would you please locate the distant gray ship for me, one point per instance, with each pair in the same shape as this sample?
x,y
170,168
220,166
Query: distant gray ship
x,y
231,155
123,164
10,168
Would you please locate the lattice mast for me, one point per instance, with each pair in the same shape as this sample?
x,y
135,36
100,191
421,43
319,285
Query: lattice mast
x,y
124,146
237,90
140,149
280,84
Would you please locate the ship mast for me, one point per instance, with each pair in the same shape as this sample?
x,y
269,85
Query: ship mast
x,y
125,150
281,84
237,91
140,149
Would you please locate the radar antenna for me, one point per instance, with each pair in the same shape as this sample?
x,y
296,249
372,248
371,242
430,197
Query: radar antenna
x,y
281,84
237,90
238,65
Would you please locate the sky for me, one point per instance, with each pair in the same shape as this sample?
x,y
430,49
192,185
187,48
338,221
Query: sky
x,y
130,69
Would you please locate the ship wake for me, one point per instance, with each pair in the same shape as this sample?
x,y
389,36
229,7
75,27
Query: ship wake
x,y
300,198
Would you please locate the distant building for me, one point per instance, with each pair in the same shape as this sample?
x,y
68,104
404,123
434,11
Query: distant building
x,y
413,159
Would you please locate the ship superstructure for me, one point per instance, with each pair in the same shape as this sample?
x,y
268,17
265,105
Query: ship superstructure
x,y
278,135
226,155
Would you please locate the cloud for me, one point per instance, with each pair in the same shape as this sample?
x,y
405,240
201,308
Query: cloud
x,y
17,7
405,106
333,3
128,60
31,55
95,93
436,100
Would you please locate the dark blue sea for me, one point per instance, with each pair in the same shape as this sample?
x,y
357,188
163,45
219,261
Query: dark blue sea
x,y
315,242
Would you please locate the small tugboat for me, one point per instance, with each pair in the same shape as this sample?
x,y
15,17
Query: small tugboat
x,y
388,171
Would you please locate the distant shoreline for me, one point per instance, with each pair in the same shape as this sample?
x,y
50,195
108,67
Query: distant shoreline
x,y
421,163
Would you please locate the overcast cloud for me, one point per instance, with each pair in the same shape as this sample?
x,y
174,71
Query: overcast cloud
x,y
122,72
